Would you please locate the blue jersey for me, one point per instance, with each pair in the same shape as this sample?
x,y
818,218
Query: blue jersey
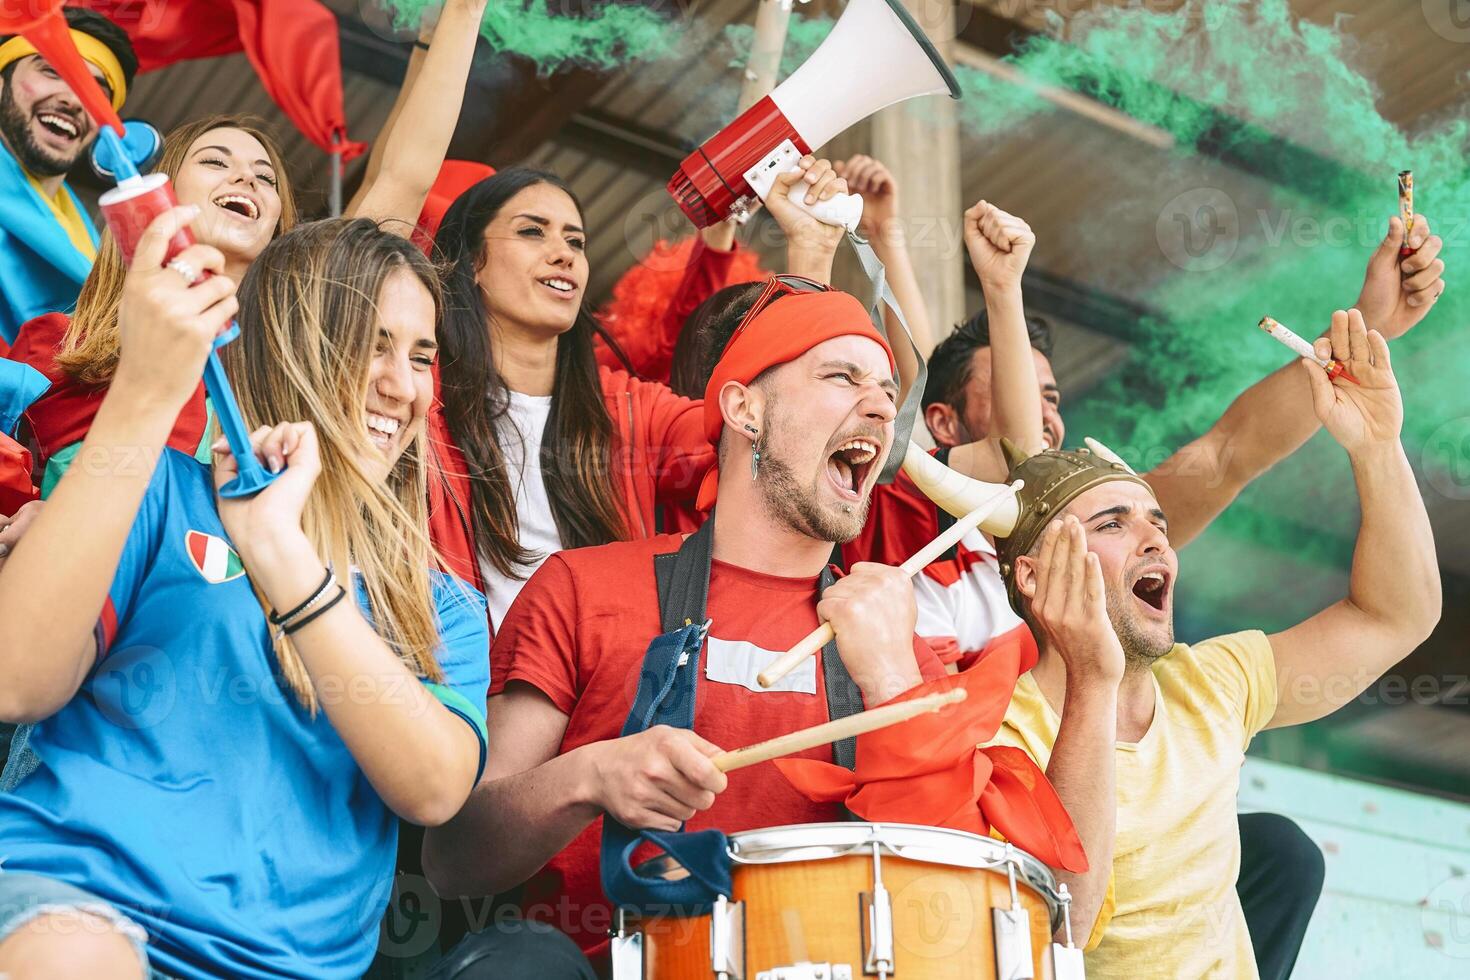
x,y
184,782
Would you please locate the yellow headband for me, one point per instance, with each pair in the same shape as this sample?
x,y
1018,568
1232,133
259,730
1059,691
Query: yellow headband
x,y
92,51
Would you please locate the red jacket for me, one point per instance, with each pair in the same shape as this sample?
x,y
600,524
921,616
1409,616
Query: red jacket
x,y
659,456
63,415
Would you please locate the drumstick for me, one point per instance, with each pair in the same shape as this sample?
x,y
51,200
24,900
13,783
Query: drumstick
x,y
835,731
819,637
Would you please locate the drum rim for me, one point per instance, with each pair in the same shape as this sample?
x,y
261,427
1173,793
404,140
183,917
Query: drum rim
x,y
1030,870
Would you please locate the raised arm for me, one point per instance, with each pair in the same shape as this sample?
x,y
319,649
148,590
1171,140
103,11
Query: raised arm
x,y
882,225
1393,600
54,584
1000,245
1273,418
408,157
811,245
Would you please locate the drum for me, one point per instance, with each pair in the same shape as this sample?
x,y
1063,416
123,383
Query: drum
x,y
844,901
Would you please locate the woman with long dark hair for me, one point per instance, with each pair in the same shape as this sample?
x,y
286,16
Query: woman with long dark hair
x,y
543,449
538,423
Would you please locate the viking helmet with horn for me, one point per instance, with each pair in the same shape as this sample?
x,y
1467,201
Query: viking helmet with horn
x,y
1053,479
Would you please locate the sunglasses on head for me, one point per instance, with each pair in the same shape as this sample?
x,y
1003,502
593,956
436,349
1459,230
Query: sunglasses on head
x,y
775,287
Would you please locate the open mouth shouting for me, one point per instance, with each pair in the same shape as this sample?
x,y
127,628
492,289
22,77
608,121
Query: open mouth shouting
x,y
240,205
1151,589
850,463
560,286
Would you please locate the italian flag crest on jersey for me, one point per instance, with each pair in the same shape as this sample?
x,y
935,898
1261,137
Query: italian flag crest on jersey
x,y
214,559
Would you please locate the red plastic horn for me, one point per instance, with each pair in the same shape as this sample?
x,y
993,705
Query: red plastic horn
x,y
41,23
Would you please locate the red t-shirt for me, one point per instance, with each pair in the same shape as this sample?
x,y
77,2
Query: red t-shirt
x,y
578,632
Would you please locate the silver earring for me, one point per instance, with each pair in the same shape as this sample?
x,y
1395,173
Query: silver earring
x,y
755,452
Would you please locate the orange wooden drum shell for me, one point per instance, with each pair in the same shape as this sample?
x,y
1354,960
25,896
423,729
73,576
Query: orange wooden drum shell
x,y
810,910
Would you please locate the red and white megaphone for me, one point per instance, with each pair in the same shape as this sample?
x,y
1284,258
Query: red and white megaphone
x,y
41,22
875,56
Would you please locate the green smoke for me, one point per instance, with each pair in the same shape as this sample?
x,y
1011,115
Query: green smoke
x,y
1244,81
609,36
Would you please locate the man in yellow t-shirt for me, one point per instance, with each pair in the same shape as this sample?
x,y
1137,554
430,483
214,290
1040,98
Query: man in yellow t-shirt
x,y
1143,737
47,241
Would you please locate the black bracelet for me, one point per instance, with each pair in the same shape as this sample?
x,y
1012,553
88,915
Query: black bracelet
x,y
341,592
278,619
419,42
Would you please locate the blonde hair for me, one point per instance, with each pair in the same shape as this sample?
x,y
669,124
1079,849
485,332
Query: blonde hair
x,y
90,348
309,330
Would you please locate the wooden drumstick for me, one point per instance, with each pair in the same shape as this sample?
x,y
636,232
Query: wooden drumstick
x,y
819,637
835,731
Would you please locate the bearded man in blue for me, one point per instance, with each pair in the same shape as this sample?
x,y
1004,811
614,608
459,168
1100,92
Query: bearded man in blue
x,y
47,241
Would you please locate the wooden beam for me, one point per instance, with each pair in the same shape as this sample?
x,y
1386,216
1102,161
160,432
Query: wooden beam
x,y
919,141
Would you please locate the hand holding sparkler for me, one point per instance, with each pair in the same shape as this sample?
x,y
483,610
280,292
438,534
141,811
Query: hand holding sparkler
x,y
1398,292
1366,413
1335,369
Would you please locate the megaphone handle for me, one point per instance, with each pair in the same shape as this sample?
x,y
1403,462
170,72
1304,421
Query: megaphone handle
x,y
840,210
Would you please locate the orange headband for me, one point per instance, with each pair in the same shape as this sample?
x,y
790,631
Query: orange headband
x,y
780,333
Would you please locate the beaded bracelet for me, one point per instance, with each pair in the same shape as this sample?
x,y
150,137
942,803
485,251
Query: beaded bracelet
x,y
306,620
280,619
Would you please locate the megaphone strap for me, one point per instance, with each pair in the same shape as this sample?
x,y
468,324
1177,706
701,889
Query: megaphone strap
x,y
908,411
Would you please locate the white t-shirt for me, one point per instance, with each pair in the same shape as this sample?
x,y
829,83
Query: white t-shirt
x,y
519,431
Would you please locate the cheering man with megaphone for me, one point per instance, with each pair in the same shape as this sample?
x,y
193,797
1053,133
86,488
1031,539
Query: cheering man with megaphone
x,y
47,242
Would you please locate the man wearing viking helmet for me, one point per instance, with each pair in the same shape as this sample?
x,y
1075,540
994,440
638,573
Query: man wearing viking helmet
x,y
1143,737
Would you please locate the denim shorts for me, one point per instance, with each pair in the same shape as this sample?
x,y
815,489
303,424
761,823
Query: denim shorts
x,y
26,897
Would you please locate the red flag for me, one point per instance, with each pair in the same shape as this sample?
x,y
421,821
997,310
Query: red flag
x,y
16,489
455,177
930,770
291,43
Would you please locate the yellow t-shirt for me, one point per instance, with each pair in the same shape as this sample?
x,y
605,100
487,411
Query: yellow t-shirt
x,y
1177,853
68,217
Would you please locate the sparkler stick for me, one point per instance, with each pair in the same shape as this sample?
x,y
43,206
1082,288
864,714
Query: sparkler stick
x,y
1406,209
1333,367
